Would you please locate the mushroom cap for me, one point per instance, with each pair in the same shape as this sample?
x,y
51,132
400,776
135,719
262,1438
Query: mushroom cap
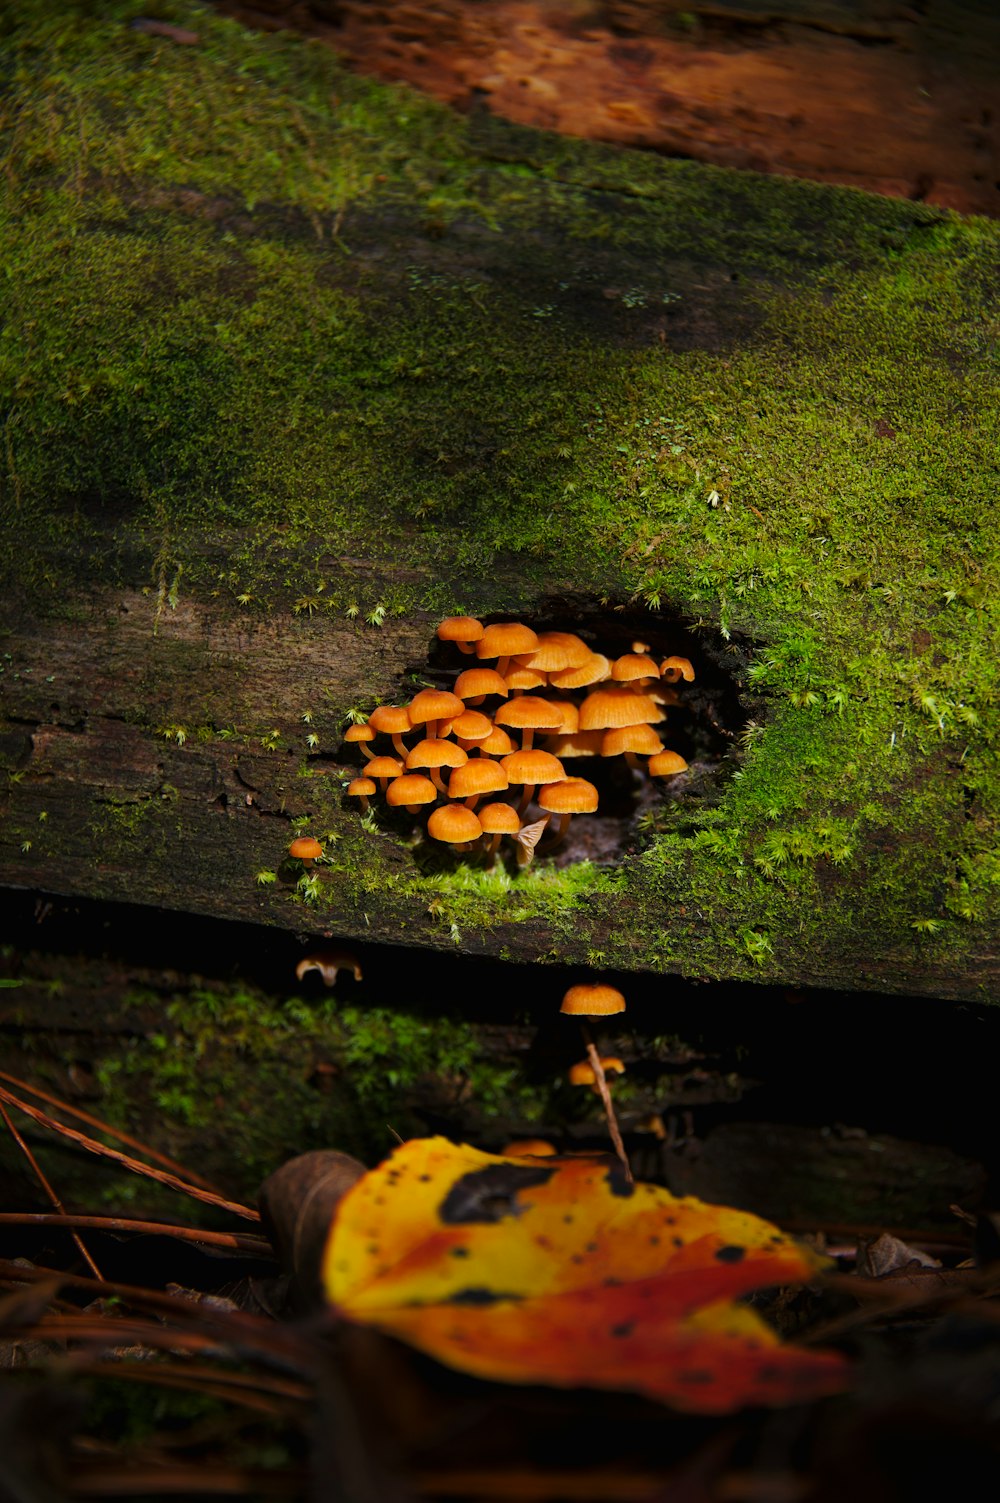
x,y
571,796
529,712
570,715
556,651
618,705
593,1001
499,819
478,775
469,726
665,764
673,668
460,629
575,744
360,733
521,678
533,767
328,963
384,767
410,788
390,720
528,1148
305,848
505,638
436,753
633,665
631,738
455,824
582,1073
497,743
434,704
475,682
361,787
592,671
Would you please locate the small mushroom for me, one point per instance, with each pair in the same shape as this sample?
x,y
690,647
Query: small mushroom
x,y
362,789
328,963
582,1073
455,825
306,848
464,631
598,1000
361,735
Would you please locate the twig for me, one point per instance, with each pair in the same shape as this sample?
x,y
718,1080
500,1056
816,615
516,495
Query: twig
x,y
601,1082
53,1197
91,1144
234,1240
114,1132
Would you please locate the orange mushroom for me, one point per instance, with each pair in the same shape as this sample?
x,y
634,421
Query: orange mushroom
x,y
665,764
628,740
571,796
306,848
410,792
361,788
360,735
582,1073
455,825
434,754
432,705
673,668
385,769
528,714
474,684
529,768
595,1000
504,640
464,631
394,721
474,778
497,820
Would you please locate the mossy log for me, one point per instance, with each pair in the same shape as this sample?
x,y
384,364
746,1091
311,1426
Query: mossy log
x,y
295,363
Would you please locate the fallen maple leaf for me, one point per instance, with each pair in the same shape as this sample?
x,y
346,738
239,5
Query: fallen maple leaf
x,y
563,1272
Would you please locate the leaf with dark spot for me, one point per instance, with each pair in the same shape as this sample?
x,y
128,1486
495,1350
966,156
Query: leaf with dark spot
x,y
481,1265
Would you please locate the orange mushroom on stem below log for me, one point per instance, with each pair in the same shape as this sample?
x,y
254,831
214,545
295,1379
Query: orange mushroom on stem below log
x,y
599,1000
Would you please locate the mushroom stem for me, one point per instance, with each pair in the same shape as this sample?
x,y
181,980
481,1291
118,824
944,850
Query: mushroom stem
x,y
365,806
630,759
527,736
558,831
601,1082
401,750
434,773
525,799
366,752
472,800
491,851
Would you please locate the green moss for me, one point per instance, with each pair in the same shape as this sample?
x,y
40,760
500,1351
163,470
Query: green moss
x,y
332,1074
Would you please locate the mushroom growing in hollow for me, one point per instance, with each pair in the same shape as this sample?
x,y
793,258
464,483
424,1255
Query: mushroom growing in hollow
x,y
432,705
455,825
564,799
410,791
394,721
529,768
504,640
497,820
464,631
434,754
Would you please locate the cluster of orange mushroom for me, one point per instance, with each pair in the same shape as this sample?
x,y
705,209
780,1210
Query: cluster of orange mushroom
x,y
481,734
